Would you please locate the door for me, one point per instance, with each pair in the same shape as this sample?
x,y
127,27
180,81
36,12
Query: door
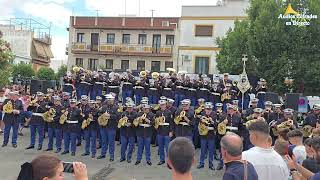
x,y
202,65
94,41
156,43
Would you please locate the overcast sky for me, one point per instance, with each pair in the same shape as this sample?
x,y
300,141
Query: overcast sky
x,y
57,12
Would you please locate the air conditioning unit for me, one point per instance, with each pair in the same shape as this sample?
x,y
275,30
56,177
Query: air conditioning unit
x,y
187,57
165,23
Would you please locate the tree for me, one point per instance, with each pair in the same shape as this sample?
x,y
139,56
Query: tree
x,y
45,73
61,71
275,50
22,70
6,55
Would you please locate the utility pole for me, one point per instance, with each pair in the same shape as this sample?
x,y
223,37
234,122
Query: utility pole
x,y
152,10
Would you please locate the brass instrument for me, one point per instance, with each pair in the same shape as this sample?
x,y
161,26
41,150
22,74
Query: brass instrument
x,y
33,102
120,109
123,121
63,117
139,120
222,127
199,109
225,96
104,119
155,75
307,130
156,107
203,126
249,122
284,125
8,108
159,121
49,115
75,69
143,73
180,117
86,122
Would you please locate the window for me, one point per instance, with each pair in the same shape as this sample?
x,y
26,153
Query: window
x,y
80,37
155,66
79,62
168,64
170,40
93,63
142,39
109,64
141,65
202,65
126,39
110,38
124,64
204,30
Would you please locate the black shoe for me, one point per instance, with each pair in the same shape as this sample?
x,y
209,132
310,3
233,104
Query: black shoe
x,y
138,162
39,147
58,150
49,149
14,146
101,157
129,160
79,144
219,167
73,154
149,163
121,160
161,162
154,145
93,156
216,157
211,167
111,159
20,134
200,166
99,147
30,147
65,152
85,154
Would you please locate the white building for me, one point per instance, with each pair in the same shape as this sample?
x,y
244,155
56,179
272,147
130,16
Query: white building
x,y
199,28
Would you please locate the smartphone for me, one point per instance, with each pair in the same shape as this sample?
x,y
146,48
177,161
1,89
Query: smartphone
x,y
68,167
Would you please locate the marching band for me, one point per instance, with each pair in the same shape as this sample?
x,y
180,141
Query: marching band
x,y
155,108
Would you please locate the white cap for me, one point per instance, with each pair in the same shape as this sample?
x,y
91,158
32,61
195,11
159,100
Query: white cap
x,y
109,97
161,102
268,103
258,110
288,111
316,107
185,102
208,105
219,104
38,93
170,100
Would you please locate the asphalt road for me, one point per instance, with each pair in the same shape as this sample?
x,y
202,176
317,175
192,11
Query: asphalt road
x,y
11,159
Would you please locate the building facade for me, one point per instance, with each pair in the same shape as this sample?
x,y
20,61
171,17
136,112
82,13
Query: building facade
x,y
120,43
200,26
29,41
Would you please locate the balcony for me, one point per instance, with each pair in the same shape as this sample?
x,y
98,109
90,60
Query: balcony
x,y
123,49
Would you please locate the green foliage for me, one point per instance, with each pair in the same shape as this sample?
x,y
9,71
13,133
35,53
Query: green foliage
x,y
275,51
46,73
6,55
24,70
61,71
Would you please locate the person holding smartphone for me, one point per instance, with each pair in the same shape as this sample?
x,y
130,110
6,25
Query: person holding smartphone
x,y
49,167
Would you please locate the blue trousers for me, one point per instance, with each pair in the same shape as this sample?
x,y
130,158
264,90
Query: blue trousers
x,y
36,129
163,146
261,101
144,143
196,136
207,145
108,138
79,136
90,138
7,128
70,137
153,99
138,98
125,142
52,132
178,98
95,92
125,94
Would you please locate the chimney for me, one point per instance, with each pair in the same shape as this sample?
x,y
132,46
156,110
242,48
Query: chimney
x,y
74,20
96,21
151,22
123,21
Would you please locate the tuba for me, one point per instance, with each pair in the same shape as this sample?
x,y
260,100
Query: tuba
x,y
49,115
159,121
103,119
180,117
8,108
123,121
139,120
307,131
203,126
63,117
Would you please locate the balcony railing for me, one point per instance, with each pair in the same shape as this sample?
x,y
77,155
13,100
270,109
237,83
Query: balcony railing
x,y
106,48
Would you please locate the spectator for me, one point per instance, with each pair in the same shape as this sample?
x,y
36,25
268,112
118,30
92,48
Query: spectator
x,y
310,162
236,169
316,132
49,167
299,172
181,156
2,98
296,139
283,134
265,160
281,147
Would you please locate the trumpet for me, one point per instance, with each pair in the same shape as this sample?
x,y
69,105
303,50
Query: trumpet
x,y
104,119
123,121
180,117
33,102
8,108
199,109
203,126
87,122
139,120
159,121
120,109
63,117
49,115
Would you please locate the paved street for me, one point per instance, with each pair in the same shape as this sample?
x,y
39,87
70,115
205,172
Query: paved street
x,y
11,159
